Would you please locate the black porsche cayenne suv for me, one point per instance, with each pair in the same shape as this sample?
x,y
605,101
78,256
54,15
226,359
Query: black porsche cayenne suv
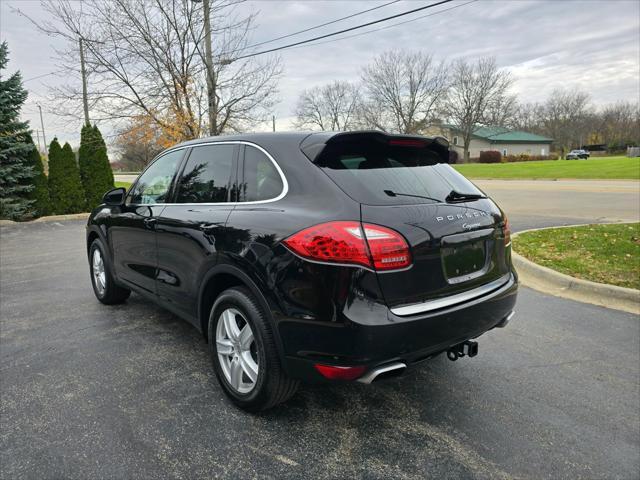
x,y
322,256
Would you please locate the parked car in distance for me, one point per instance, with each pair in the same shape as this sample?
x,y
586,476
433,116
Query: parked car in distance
x,y
309,257
576,154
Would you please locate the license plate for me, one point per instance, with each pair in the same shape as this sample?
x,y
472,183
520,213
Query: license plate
x,y
464,261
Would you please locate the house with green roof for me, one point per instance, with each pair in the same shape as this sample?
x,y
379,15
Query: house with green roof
x,y
503,140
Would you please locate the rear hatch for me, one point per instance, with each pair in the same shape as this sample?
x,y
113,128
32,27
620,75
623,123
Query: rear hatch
x,y
456,240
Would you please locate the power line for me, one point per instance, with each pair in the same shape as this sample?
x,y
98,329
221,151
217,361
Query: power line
x,y
43,75
320,26
390,26
342,31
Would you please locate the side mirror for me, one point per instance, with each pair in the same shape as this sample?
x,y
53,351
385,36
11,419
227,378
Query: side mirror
x,y
114,197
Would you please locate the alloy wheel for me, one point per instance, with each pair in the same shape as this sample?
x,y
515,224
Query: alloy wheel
x,y
237,351
98,271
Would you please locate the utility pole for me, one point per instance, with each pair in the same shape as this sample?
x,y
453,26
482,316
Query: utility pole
x,y
273,122
208,60
85,102
38,137
44,138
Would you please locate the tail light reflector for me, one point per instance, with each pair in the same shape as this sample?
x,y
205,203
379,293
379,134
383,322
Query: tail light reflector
x,y
506,229
406,142
339,373
343,242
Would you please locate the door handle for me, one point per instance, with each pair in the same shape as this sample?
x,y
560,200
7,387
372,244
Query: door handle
x,y
150,222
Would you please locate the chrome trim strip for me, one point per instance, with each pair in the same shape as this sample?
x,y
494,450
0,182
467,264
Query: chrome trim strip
x,y
373,374
285,184
453,299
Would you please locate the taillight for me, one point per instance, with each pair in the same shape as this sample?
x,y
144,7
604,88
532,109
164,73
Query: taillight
x,y
506,229
342,242
389,249
334,242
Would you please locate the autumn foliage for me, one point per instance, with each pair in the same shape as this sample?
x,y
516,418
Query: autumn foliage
x,y
144,138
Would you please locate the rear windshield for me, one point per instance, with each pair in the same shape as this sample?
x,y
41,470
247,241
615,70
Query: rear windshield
x,y
375,173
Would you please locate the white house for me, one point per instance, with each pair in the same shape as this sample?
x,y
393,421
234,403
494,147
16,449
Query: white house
x,y
503,140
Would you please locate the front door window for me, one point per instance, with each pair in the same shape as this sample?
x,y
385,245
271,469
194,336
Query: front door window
x,y
154,184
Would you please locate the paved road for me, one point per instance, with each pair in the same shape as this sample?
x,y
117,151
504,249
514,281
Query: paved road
x,y
551,202
90,391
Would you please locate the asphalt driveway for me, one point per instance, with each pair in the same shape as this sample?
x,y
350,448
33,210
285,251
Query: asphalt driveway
x,y
90,391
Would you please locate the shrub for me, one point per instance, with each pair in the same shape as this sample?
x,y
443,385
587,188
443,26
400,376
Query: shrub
x,y
490,156
453,157
65,187
523,157
95,170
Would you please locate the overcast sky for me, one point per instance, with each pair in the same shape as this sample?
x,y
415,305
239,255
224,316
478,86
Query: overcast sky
x,y
590,45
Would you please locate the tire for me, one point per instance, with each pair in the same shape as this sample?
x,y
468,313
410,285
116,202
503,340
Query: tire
x,y
104,286
270,386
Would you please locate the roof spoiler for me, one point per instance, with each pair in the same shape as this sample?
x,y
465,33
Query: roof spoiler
x,y
313,145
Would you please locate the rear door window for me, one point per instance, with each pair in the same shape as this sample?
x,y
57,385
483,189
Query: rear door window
x,y
207,175
377,173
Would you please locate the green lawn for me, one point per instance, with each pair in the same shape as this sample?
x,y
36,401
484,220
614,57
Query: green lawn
x,y
595,168
123,184
600,253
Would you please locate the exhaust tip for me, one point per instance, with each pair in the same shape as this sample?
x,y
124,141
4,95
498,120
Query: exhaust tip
x,y
389,370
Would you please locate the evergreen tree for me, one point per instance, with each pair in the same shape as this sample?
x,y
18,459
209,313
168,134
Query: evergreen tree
x,y
85,152
65,187
40,192
95,169
15,172
56,176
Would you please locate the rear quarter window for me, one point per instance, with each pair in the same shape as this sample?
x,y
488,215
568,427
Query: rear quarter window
x,y
260,179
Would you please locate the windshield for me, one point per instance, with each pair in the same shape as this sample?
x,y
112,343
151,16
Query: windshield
x,y
377,173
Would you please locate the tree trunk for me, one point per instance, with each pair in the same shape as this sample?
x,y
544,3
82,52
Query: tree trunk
x,y
467,142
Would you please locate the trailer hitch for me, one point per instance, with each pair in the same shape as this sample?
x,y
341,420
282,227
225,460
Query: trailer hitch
x,y
468,348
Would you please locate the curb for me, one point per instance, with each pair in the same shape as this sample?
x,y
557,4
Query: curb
x,y
549,281
50,218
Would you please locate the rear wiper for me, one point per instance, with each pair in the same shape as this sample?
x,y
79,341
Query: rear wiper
x,y
391,193
462,197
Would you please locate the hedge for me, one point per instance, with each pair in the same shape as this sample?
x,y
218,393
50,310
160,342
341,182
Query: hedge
x,y
490,156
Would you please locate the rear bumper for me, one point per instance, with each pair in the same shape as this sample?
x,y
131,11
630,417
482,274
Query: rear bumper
x,y
372,335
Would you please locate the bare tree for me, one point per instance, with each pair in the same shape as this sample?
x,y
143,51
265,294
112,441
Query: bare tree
x,y
565,117
330,107
476,88
619,125
528,117
403,91
502,112
147,57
